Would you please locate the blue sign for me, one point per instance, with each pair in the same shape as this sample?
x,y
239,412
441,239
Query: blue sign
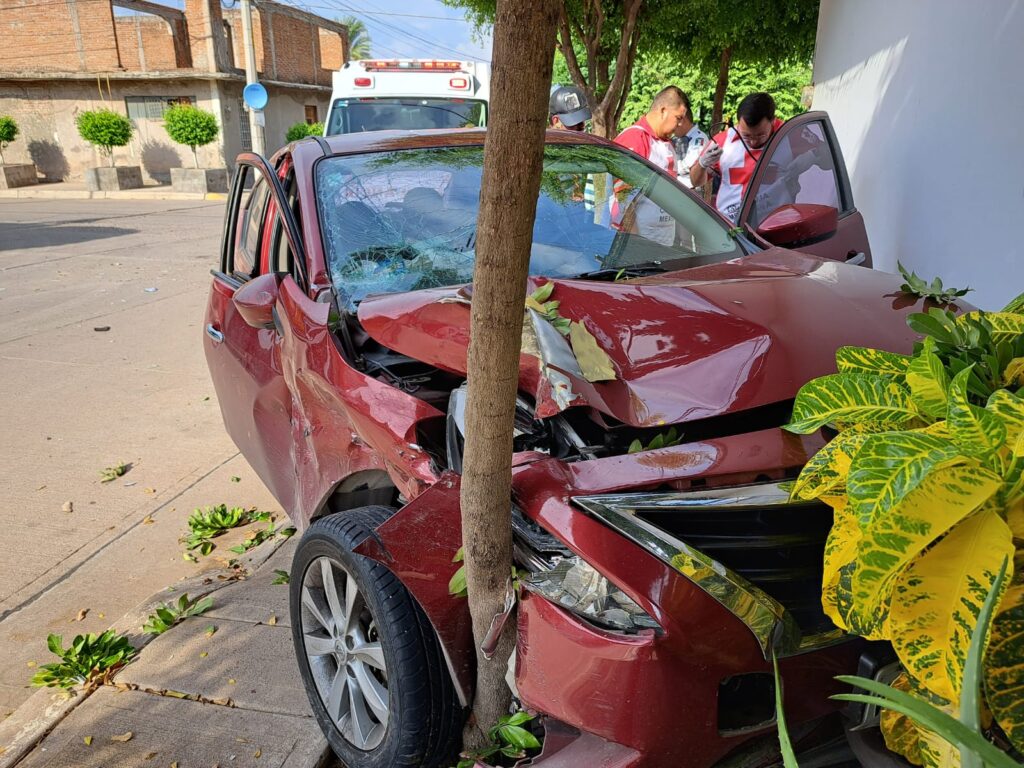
x,y
255,96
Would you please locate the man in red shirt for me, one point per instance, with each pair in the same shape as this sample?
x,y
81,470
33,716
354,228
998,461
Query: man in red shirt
x,y
733,153
651,138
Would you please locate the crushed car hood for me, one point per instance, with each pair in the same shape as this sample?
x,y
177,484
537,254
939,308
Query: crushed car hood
x,y
685,345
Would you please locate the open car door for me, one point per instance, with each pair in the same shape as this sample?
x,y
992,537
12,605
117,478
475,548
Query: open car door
x,y
242,338
800,197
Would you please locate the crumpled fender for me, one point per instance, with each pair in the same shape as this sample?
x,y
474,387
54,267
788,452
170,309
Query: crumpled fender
x,y
417,544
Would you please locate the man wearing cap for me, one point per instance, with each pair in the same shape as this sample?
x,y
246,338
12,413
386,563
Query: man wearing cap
x,y
568,109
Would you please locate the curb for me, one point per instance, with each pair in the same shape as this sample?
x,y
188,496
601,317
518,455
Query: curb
x,y
45,709
84,194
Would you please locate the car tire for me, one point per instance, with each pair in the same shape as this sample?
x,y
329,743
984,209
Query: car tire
x,y
388,646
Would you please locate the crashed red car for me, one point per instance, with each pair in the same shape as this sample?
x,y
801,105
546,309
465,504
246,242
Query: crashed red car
x,y
666,565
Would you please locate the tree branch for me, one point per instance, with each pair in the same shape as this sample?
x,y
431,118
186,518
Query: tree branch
x,y
627,46
565,46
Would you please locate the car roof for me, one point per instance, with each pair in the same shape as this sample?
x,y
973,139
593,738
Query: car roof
x,y
380,141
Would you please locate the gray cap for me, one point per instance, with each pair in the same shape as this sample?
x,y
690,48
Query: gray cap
x,y
569,105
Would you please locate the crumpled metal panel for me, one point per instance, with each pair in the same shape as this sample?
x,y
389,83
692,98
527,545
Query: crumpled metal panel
x,y
686,345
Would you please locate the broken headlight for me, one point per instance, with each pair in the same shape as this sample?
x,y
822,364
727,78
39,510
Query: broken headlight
x,y
578,587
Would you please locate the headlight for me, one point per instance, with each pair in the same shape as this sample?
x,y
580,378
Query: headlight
x,y
577,586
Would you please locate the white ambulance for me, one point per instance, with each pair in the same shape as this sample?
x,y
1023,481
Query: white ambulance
x,y
408,94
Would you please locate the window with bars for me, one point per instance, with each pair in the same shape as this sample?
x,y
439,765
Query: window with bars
x,y
311,114
153,107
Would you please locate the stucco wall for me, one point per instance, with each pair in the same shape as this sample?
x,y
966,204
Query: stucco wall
x,y
46,115
927,104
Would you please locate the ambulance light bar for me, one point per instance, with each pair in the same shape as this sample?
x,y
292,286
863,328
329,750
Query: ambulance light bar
x,y
394,65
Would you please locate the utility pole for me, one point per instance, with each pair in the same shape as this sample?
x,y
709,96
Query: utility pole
x,y
255,117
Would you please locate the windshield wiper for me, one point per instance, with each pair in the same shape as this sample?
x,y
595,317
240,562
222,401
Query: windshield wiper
x,y
633,270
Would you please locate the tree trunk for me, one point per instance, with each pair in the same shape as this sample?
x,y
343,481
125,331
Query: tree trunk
x,y
195,156
721,87
602,120
523,52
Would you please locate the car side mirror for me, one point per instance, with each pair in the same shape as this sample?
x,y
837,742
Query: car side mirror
x,y
799,224
255,300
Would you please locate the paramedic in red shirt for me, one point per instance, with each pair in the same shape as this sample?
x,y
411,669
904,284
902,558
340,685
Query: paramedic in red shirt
x,y
733,153
651,138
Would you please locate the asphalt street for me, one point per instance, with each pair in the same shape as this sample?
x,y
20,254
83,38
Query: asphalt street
x,y
101,362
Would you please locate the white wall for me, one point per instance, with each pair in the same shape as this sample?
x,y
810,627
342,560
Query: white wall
x,y
927,98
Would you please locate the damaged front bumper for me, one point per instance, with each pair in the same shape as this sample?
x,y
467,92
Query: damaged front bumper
x,y
694,684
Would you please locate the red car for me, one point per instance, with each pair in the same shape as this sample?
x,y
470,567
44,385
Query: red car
x,y
665,564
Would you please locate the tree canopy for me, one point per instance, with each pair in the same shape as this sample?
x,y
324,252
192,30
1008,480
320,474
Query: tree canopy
x,y
359,41
191,126
601,41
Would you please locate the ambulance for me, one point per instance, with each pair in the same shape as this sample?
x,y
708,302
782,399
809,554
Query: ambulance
x,y
408,94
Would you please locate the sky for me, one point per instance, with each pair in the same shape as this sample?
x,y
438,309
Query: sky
x,y
399,28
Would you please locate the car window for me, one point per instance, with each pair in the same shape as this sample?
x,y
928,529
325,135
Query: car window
x,y
800,170
247,254
358,115
406,220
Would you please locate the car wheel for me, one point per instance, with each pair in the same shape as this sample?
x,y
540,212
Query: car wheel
x,y
370,661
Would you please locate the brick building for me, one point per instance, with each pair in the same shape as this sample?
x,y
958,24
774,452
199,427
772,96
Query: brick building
x,y
61,57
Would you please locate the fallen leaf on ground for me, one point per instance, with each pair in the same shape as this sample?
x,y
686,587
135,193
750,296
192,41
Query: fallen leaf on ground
x,y
231,681
210,630
148,520
149,490
82,614
87,740
257,754
272,620
236,479
67,506
31,663
150,755
203,655
40,487
127,736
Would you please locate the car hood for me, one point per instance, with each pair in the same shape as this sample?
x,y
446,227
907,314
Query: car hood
x,y
684,345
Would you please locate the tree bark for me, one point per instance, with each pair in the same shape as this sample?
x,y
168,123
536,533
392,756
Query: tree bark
x,y
523,53
721,86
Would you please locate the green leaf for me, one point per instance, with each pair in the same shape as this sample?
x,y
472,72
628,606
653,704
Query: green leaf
x,y
1016,305
518,737
785,745
595,363
55,643
459,555
976,432
1004,663
543,293
516,719
457,583
280,577
635,447
852,398
927,715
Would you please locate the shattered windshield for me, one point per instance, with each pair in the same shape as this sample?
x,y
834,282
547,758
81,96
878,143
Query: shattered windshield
x,y
406,220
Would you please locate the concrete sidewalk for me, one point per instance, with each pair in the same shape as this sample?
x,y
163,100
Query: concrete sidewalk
x,y
76,190
190,698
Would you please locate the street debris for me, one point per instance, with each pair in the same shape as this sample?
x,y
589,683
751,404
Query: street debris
x,y
109,474
101,328
67,506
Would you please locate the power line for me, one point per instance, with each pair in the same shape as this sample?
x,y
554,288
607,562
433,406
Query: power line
x,y
398,30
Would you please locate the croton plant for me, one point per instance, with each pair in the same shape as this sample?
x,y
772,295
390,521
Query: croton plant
x,y
925,474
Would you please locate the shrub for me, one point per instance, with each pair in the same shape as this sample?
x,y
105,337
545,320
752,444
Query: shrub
x,y
8,133
89,660
191,126
105,129
926,481
302,130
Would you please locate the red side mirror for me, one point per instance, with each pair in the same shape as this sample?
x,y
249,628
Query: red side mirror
x,y
256,299
799,223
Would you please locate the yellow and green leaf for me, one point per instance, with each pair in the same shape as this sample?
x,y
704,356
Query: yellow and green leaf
x,y
873,361
937,599
899,520
1004,664
826,471
853,398
1006,326
1013,373
1016,305
1009,409
976,431
928,382
840,551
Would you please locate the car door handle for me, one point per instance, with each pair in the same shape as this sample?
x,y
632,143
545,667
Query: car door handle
x,y
214,334
856,257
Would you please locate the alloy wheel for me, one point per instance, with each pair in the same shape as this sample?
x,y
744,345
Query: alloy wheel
x,y
344,653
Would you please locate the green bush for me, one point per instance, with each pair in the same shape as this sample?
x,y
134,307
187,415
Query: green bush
x,y
105,129
191,126
302,130
8,133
